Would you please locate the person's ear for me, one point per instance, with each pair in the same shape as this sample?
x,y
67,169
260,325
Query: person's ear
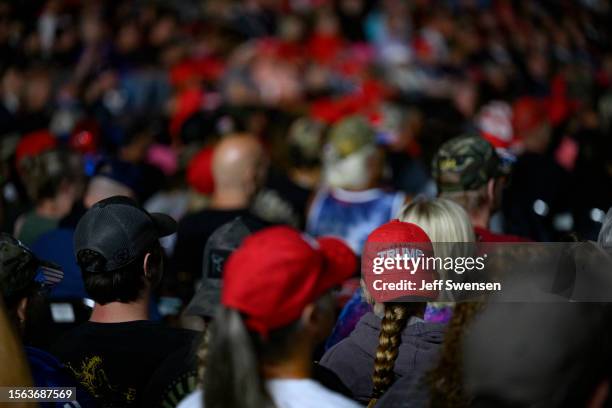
x,y
491,190
309,316
152,268
21,309
317,322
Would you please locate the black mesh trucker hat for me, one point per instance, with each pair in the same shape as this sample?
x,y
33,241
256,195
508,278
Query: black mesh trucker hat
x,y
120,230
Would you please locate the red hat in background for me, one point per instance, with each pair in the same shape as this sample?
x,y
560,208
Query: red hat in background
x,y
199,171
278,271
84,137
387,241
528,114
33,144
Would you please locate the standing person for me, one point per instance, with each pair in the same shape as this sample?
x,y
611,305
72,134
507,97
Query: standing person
x,y
352,202
468,171
393,340
239,167
260,352
114,354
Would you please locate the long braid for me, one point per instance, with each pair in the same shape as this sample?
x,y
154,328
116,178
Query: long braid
x,y
391,328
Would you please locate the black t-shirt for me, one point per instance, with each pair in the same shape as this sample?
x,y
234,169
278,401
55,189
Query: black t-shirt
x,y
174,379
115,361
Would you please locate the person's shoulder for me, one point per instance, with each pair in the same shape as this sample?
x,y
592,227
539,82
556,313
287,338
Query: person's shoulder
x,y
193,400
485,235
351,351
408,391
163,331
306,394
70,338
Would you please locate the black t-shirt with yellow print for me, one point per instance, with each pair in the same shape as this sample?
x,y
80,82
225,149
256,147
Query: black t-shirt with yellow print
x,y
115,361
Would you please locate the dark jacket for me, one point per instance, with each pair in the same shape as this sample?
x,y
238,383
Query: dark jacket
x,y
407,392
353,358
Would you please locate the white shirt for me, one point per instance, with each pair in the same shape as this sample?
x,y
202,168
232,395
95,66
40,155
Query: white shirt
x,y
289,393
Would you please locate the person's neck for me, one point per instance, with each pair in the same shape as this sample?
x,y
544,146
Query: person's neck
x,y
50,209
229,200
117,312
297,366
481,218
306,178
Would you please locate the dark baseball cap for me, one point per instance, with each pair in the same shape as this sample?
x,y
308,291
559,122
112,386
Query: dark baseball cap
x,y
120,230
21,270
466,163
220,245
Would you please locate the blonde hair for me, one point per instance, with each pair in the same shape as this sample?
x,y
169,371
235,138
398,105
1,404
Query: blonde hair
x,y
443,220
446,223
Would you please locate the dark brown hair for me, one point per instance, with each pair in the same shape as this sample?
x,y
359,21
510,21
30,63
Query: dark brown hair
x,y
445,379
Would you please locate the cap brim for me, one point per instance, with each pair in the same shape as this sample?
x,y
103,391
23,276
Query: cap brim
x,y
205,302
340,263
165,224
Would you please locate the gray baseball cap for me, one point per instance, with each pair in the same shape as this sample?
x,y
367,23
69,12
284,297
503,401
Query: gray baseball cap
x,y
223,241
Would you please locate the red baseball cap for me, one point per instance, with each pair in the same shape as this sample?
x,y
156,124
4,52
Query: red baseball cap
x,y
391,239
278,271
199,171
33,144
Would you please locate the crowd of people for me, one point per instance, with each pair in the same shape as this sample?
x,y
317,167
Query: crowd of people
x,y
188,188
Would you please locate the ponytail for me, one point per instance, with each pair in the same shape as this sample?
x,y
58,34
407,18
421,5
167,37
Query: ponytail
x,y
393,323
232,376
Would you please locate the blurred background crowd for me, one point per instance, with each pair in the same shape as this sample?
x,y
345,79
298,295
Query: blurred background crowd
x,y
325,115
147,85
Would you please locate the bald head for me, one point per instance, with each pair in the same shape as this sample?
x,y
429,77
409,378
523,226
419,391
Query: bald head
x,y
238,164
101,187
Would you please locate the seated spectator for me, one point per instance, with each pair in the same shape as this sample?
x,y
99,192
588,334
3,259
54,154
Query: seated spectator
x,y
288,189
24,281
114,354
238,171
468,171
352,203
443,385
53,180
444,222
221,244
57,246
271,341
171,382
393,340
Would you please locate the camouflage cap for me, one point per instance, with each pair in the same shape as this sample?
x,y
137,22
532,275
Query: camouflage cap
x,y
306,136
21,270
465,163
350,135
